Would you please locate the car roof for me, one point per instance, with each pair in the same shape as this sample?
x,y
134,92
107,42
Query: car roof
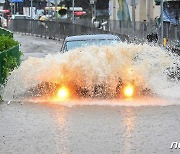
x,y
92,37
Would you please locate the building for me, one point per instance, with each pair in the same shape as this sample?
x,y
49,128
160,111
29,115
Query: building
x,y
144,10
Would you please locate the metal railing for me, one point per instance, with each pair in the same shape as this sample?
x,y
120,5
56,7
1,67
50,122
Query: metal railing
x,y
55,29
141,31
62,28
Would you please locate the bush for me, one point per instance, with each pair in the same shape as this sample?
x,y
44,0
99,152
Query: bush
x,y
9,56
8,65
6,42
6,32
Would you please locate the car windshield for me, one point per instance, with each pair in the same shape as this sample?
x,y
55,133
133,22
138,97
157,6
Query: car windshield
x,y
81,43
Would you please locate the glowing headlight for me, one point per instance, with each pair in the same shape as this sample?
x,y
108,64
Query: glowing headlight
x,y
63,93
128,90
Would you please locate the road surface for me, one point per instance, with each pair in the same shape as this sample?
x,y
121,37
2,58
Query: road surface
x,y
54,128
37,46
47,128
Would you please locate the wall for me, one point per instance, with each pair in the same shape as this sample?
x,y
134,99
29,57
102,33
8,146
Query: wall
x,y
145,10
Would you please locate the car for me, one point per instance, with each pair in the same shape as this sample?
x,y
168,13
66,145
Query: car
x,y
72,42
97,90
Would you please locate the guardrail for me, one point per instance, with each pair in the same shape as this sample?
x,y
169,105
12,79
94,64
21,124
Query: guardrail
x,y
141,29
55,30
63,28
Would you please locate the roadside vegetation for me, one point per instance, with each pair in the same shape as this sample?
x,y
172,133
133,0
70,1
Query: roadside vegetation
x,y
7,42
9,57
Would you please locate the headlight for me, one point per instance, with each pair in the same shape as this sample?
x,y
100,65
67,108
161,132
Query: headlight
x,y
128,90
63,93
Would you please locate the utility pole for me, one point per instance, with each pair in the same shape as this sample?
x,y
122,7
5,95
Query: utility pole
x,y
133,15
31,8
93,8
55,10
17,8
48,7
162,34
148,10
11,8
73,11
14,7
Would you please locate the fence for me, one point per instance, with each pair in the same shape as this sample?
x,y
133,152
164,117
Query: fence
x,y
63,28
141,29
55,30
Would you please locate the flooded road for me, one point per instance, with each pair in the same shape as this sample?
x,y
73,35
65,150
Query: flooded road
x,y
48,128
36,46
134,127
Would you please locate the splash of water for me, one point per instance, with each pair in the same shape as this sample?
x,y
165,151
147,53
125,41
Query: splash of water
x,y
145,65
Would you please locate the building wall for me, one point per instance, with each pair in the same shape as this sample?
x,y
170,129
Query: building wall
x,y
145,10
113,9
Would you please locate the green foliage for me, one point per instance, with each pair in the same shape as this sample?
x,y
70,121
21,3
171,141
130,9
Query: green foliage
x,y
5,32
8,65
7,42
10,56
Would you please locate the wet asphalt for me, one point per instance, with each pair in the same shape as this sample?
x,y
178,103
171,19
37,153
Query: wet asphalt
x,y
58,129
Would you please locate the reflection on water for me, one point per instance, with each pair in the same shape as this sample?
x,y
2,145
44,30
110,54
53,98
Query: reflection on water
x,y
61,118
129,123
